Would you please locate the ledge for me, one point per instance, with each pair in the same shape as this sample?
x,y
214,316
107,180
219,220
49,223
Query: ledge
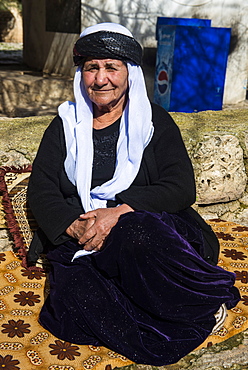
x,y
20,137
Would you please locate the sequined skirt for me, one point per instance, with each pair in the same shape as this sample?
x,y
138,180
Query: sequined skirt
x,y
148,295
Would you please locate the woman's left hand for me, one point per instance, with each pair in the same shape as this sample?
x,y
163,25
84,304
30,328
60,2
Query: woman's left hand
x,y
105,219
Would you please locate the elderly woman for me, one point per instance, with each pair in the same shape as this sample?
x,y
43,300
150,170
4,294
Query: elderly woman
x,y
132,265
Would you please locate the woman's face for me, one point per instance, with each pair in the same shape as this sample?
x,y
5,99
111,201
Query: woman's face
x,y
105,81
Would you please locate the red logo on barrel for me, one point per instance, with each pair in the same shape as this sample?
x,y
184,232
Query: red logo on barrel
x,y
163,81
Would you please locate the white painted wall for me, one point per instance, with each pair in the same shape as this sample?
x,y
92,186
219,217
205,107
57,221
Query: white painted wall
x,y
140,16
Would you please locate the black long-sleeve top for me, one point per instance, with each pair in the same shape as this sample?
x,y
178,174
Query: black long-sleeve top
x,y
165,181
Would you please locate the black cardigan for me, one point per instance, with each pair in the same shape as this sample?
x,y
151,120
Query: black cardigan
x,y
169,181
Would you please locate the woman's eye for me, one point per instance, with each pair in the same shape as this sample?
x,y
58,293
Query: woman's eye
x,y
90,69
95,69
110,68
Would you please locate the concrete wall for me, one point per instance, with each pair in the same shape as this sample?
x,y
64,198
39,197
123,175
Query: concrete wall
x,y
52,51
36,41
141,16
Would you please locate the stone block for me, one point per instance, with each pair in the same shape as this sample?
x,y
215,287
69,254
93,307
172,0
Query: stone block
x,y
224,211
219,169
6,244
13,158
242,217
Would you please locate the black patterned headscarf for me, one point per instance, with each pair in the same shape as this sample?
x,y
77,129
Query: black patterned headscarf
x,y
107,44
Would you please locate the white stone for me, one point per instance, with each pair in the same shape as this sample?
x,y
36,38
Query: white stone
x,y
244,199
242,217
219,169
219,210
13,158
5,243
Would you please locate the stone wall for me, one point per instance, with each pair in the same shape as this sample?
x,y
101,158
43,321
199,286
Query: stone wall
x,y
217,143
23,93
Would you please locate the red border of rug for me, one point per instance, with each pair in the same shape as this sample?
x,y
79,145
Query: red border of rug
x,y
11,221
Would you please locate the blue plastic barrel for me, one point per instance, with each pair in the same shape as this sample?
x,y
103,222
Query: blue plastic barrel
x,y
191,64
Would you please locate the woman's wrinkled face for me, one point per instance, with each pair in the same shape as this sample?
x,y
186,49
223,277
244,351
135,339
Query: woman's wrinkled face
x,y
105,81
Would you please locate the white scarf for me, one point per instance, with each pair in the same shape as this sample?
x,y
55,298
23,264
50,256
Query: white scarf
x,y
136,130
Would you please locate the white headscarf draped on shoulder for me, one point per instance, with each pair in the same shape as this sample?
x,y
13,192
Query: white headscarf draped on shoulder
x,y
136,128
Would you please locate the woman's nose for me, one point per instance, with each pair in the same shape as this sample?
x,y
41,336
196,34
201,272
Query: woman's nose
x,y
101,77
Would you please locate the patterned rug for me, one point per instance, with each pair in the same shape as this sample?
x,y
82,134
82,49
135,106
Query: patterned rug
x,y
233,257
24,344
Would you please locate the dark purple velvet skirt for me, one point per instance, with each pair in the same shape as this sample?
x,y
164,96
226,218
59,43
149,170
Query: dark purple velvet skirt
x,y
148,295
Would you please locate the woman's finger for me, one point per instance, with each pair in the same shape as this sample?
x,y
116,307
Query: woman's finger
x,y
94,245
90,214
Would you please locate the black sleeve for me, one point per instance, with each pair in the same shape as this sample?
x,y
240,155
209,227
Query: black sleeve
x,y
173,185
46,200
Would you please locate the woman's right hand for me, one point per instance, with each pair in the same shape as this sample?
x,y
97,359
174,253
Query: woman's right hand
x,y
78,228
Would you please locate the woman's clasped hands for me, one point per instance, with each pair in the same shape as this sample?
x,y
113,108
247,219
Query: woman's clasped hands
x,y
92,228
